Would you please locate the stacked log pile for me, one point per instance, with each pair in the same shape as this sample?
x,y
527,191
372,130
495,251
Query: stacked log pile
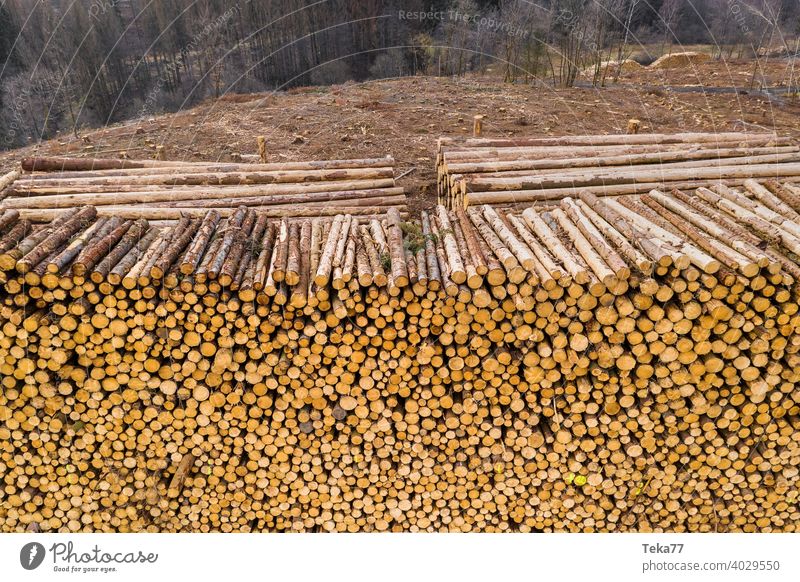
x,y
166,190
608,365
520,171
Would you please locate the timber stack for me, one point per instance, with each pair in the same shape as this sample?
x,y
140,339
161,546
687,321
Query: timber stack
x,y
520,171
607,365
46,188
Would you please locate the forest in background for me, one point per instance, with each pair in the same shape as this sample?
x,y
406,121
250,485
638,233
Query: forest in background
x,y
66,65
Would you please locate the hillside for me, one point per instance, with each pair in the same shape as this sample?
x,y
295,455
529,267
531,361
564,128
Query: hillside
x,y
403,117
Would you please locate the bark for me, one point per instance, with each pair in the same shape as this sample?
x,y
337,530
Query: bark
x,y
229,235
455,269
200,242
584,247
400,271
132,237
7,219
651,249
15,235
56,263
596,239
300,292
325,268
239,247
434,275
132,256
99,166
61,196
264,256
281,252
292,276
472,243
788,193
376,266
56,238
554,245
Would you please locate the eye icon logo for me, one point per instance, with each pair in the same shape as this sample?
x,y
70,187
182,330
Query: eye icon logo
x,y
31,555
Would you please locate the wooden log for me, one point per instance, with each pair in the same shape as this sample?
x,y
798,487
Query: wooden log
x,y
200,242
264,256
65,197
555,247
498,248
788,193
586,250
56,263
11,255
299,296
523,198
7,180
325,268
621,243
95,250
596,239
292,272
131,239
642,138
772,202
523,254
56,164
203,179
724,254
628,159
432,264
614,176
711,228
636,215
132,257
56,238
238,249
341,199
455,264
626,228
230,234
476,154
156,213
400,270
13,237
8,218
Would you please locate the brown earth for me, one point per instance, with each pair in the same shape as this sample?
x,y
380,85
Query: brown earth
x,y
743,74
403,118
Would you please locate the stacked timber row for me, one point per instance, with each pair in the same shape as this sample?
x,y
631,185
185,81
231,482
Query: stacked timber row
x,y
164,190
609,365
521,171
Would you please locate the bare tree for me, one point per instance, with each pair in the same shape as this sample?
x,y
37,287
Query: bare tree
x,y
670,13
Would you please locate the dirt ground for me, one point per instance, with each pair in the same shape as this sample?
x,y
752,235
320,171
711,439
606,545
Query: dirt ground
x,y
403,118
746,75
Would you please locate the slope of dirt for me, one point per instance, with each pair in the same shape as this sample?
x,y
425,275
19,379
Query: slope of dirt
x,y
403,118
